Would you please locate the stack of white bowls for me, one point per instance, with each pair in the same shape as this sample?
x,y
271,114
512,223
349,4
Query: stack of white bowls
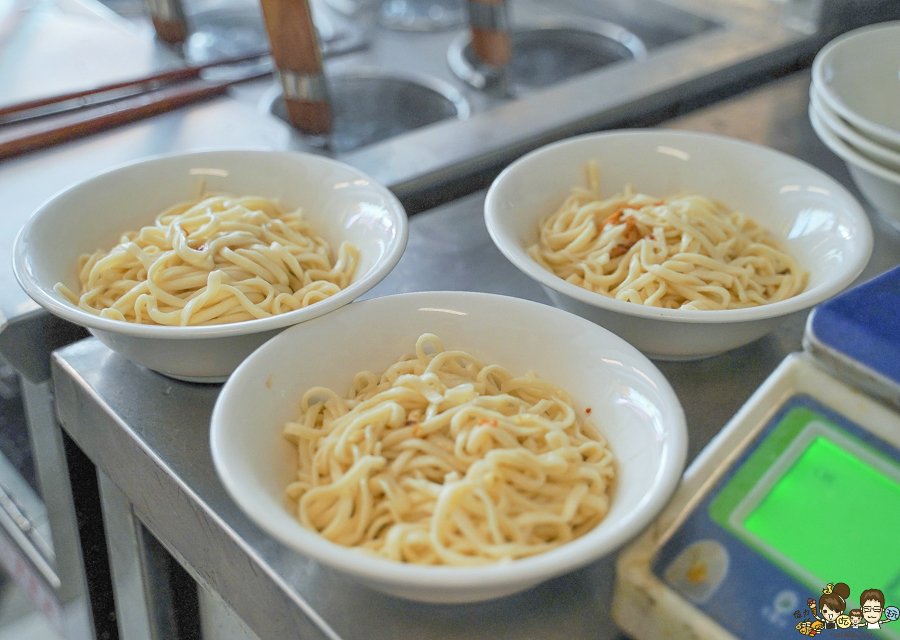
x,y
855,110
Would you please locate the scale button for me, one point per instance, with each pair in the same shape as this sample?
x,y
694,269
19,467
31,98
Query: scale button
x,y
785,601
698,570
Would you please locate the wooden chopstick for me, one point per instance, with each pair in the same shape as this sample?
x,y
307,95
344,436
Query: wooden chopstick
x,y
84,122
153,81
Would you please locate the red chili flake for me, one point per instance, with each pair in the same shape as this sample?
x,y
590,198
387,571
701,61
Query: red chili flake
x,y
489,422
631,236
588,410
611,219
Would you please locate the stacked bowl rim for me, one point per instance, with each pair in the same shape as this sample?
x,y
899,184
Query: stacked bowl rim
x,y
846,152
846,132
822,73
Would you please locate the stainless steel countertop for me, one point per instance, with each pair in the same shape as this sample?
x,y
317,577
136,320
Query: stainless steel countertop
x,y
53,46
749,39
149,434
723,42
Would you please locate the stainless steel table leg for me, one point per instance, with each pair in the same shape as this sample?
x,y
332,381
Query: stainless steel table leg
x,y
128,564
217,620
56,490
138,563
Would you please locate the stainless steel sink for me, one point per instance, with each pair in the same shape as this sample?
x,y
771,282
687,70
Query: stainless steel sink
x,y
656,24
678,54
371,106
546,53
680,49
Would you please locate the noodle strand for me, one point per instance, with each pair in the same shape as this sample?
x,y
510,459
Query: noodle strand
x,y
444,460
681,252
216,261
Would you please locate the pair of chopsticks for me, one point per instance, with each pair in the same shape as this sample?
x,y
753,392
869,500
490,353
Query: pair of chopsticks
x,y
40,123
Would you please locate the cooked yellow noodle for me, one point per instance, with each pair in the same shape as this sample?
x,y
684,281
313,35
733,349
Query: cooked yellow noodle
x,y
444,460
222,259
680,252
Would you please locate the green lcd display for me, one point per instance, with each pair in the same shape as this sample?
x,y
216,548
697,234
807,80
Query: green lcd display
x,y
830,511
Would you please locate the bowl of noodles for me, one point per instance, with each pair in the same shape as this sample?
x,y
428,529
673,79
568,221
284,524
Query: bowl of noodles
x,y
186,263
449,446
684,244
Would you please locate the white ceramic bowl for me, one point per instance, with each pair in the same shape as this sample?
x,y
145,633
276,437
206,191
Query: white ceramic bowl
x,y
878,184
631,402
341,203
856,75
875,152
817,220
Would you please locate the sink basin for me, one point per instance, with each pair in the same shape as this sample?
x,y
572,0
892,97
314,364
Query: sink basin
x,y
371,106
669,56
553,42
546,53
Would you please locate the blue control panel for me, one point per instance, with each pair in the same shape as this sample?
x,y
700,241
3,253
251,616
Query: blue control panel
x,y
814,499
863,324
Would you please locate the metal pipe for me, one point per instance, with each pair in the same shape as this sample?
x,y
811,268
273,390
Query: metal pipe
x,y
298,56
169,20
490,31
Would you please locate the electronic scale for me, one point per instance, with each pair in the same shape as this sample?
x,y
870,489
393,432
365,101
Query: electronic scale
x,y
800,489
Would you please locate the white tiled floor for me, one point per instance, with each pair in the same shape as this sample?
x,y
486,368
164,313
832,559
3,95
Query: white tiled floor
x,y
31,627
18,618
